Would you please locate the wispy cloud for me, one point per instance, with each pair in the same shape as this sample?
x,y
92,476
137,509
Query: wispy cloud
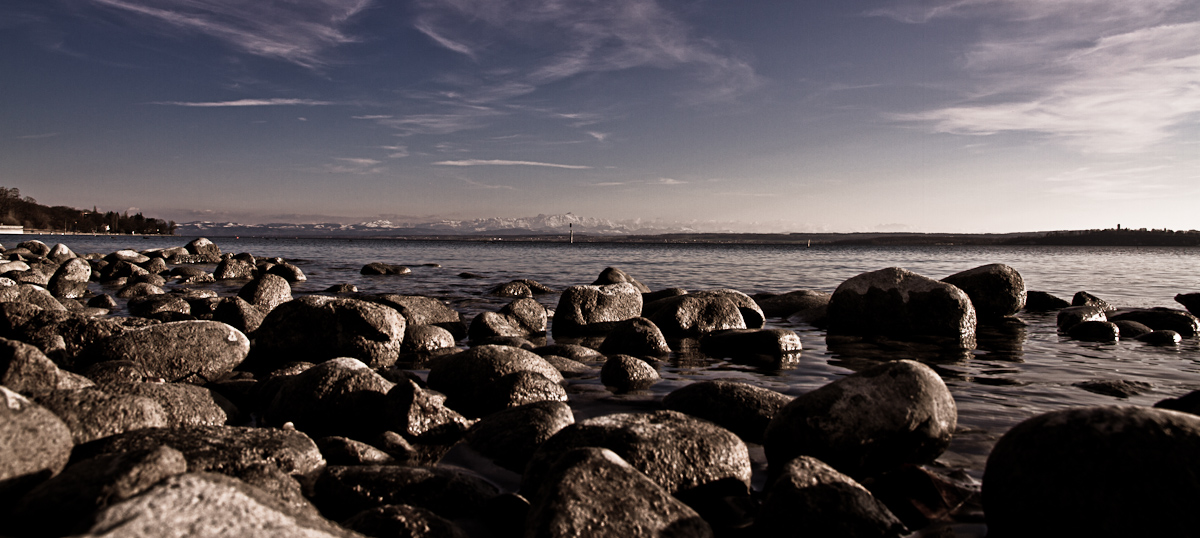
x,y
373,117
1120,183
499,162
37,136
246,102
296,32
1102,76
397,152
354,165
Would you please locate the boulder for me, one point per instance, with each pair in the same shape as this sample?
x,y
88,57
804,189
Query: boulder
x,y
1161,338
693,315
402,520
587,310
60,253
234,269
511,436
1095,331
426,339
266,292
635,336
25,369
612,275
1084,298
184,404
205,249
288,272
71,279
36,445
320,328
38,248
523,317
421,415
139,289
239,314
807,304
682,454
346,451
342,288
742,408
421,310
30,294
92,413
336,397
752,315
593,492
510,289
1074,315
1131,329
894,413
1190,301
184,351
1086,471
764,347
159,306
574,352
810,498
898,303
1162,319
472,379
343,491
380,268
624,373
996,290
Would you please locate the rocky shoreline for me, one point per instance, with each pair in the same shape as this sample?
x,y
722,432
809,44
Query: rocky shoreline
x,y
267,414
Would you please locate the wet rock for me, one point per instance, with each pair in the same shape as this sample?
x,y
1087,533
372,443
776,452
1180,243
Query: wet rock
x,y
471,379
1161,338
1074,315
766,347
742,408
594,492
1188,403
1130,329
899,303
288,272
204,248
693,315
345,451
155,306
92,413
342,288
266,292
568,367
1162,319
139,289
1084,298
678,452
25,369
321,328
1118,388
525,387
180,352
103,300
921,496
612,275
1084,471
752,315
1095,331
36,445
810,498
868,422
426,339
31,294
403,521
70,279
511,436
185,272
1190,301
635,336
336,397
510,289
380,268
59,506
234,269
421,415
624,373
574,352
38,248
421,310
206,504
228,450
468,275
522,318
584,310
239,314
184,405
63,335
809,305
343,491
996,290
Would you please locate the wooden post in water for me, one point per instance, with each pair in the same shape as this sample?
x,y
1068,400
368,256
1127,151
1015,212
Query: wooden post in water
x,y
571,226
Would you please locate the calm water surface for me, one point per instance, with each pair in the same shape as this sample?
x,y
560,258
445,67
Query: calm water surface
x,y
1017,371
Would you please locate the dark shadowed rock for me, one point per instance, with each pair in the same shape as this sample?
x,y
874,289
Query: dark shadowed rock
x,y
222,449
1190,301
612,275
510,289
996,290
266,292
593,492
568,367
584,310
421,414
204,248
765,347
139,289
288,272
523,317
1085,471
70,279
625,373
346,451
1188,403
678,452
807,304
871,421
511,436
343,491
742,408
25,369
1095,331
526,387
185,351
403,521
574,352
1162,319
380,268
92,413
60,505
1161,338
1131,329
320,328
34,246
239,314
336,397
810,498
159,305
752,314
1083,298
103,300
471,379
693,315
635,336
421,310
342,288
1074,315
899,303
1118,388
35,444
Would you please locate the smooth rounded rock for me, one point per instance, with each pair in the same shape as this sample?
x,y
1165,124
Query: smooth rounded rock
x,y
626,373
319,328
899,303
343,491
585,310
266,292
810,498
996,290
636,336
694,315
184,351
336,397
1162,319
35,444
93,413
71,279
511,436
1095,331
470,379
742,408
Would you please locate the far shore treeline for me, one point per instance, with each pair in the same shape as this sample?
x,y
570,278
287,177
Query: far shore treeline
x,y
18,211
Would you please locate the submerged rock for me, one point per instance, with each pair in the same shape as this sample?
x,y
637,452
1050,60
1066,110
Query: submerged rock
x,y
899,303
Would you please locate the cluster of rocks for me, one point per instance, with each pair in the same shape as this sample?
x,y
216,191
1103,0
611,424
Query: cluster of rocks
x,y
264,413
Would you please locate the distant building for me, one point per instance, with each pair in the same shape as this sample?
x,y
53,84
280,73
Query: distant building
x,y
11,230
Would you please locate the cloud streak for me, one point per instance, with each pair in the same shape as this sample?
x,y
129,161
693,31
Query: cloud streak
x,y
1106,77
246,102
500,162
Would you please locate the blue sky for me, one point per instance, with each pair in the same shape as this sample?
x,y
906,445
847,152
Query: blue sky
x,y
911,115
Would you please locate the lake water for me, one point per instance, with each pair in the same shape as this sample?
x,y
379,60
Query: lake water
x,y
1017,371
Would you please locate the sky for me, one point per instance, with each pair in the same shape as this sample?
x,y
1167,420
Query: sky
x,y
759,115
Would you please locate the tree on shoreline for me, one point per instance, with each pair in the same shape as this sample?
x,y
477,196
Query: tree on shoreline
x,y
18,211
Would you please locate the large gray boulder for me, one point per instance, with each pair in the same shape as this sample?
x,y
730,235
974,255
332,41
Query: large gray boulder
x,y
523,318
71,279
318,328
593,492
625,373
806,305
234,269
810,498
477,381
266,292
92,413
742,408
25,369
35,444
179,352
422,310
693,315
762,347
31,294
337,397
204,248
898,303
868,422
184,404
996,290
589,310
636,336
752,314
420,414
1095,471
